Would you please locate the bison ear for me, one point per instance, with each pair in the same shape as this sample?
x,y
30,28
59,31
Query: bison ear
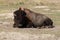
x,y
20,8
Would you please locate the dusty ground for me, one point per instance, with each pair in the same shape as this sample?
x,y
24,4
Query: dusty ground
x,y
7,32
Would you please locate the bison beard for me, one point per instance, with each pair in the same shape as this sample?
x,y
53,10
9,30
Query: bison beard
x,y
20,20
39,20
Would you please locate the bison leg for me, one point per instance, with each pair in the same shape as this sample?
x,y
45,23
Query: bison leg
x,y
30,25
50,26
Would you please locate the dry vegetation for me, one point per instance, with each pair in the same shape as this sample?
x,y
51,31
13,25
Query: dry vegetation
x,y
50,8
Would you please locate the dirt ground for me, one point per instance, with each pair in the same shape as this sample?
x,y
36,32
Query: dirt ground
x,y
7,32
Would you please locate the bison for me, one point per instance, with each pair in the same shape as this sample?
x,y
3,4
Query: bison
x,y
38,20
20,19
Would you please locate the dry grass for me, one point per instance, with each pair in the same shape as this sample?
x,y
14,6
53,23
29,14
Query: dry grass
x,y
26,36
6,19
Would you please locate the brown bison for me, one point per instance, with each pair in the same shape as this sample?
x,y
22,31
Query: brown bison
x,y
20,20
38,20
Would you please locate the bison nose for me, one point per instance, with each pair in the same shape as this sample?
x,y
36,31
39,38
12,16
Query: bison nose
x,y
20,25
